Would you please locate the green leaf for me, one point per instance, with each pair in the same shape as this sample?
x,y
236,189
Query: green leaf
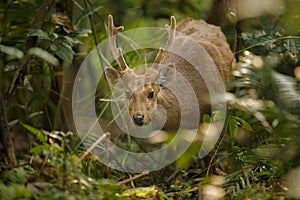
x,y
11,51
244,124
38,133
65,52
218,115
72,41
35,114
38,33
233,126
13,122
45,55
39,149
206,118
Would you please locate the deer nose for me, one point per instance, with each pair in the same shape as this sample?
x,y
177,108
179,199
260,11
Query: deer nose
x,y
138,119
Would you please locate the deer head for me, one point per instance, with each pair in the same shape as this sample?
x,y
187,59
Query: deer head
x,y
142,91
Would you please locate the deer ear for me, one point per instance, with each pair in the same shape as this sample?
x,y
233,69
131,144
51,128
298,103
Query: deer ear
x,y
112,76
167,74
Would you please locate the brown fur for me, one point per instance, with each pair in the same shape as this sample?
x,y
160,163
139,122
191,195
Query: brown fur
x,y
213,40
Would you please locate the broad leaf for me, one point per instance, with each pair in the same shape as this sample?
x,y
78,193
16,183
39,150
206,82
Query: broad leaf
x,y
12,51
38,133
38,33
65,52
45,55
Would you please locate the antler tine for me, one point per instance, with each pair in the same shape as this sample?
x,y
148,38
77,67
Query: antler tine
x,y
160,55
172,30
117,52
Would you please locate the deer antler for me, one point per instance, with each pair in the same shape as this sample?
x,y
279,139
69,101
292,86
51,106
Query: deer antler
x,y
172,30
160,55
117,52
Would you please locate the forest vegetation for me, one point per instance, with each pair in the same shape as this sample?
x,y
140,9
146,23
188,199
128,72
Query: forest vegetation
x,y
42,46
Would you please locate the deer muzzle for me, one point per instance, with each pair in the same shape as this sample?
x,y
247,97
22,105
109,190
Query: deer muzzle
x,y
138,119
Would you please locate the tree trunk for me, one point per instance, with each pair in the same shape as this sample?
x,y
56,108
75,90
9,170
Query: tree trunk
x,y
7,153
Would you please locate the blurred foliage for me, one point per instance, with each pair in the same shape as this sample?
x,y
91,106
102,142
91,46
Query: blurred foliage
x,y
259,147
56,173
260,157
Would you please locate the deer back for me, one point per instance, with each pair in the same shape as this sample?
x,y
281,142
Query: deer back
x,y
215,50
213,40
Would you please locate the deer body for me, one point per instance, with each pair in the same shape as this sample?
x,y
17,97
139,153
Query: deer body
x,y
161,86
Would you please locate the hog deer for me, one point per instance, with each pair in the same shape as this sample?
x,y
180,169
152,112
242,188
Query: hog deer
x,y
150,90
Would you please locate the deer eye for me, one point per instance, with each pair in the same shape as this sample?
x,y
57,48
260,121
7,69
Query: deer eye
x,y
150,95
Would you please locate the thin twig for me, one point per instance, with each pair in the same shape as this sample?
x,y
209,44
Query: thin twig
x,y
77,5
133,178
100,55
107,134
